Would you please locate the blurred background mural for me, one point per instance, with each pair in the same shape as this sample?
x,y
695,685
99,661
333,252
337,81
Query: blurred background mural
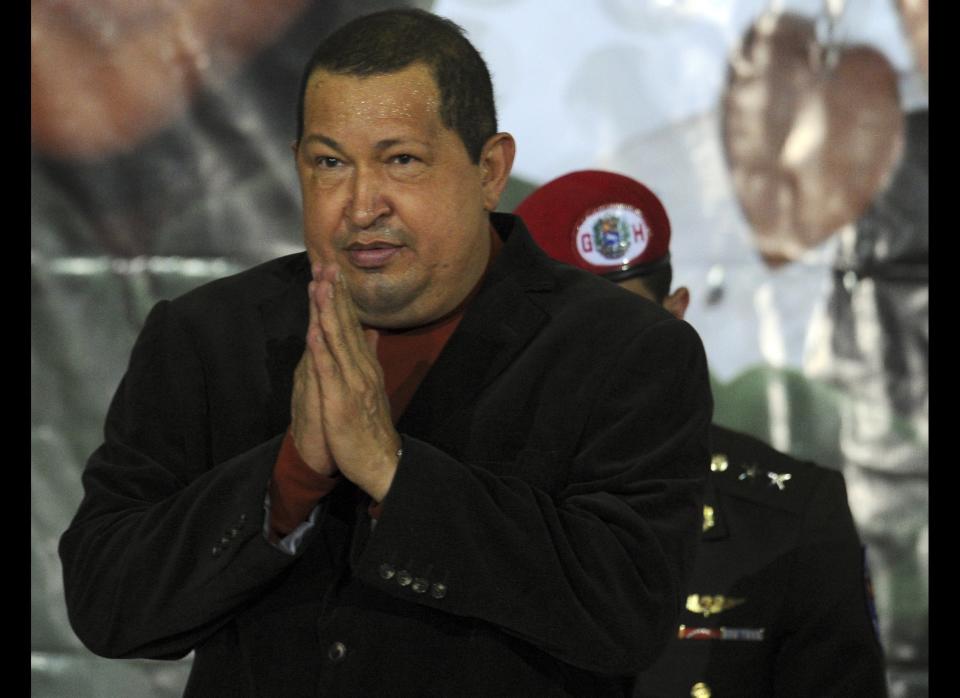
x,y
788,141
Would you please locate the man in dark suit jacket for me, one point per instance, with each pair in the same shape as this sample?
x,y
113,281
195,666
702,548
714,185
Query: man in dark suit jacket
x,y
778,604
420,459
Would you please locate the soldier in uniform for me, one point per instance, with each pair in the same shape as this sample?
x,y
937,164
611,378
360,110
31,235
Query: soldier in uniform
x,y
779,603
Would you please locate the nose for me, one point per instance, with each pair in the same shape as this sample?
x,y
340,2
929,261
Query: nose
x,y
367,203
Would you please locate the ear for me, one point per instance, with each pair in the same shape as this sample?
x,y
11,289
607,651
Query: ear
x,y
676,303
496,162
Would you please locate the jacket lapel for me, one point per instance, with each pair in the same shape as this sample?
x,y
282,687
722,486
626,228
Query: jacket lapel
x,y
284,315
498,324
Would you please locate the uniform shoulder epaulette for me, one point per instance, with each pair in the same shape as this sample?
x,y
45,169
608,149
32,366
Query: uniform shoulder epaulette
x,y
744,466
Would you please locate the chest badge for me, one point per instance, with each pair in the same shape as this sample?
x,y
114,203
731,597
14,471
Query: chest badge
x,y
708,605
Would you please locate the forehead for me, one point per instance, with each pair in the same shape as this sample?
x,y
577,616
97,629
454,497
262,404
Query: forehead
x,y
409,97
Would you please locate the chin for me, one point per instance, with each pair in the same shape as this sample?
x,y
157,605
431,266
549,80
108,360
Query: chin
x,y
378,299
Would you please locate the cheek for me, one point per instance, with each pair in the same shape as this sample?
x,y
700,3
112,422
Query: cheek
x,y
457,207
321,208
319,226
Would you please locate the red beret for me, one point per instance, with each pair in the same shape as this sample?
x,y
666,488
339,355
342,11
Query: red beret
x,y
603,222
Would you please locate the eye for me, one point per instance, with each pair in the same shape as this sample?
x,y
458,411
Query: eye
x,y
403,159
326,162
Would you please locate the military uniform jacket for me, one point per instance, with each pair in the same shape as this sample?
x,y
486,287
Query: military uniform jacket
x,y
536,539
778,604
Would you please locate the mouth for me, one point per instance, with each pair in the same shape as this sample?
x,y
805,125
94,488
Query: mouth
x,y
371,255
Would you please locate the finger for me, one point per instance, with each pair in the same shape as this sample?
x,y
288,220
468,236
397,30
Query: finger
x,y
346,305
321,339
313,322
316,341
305,377
331,333
373,339
346,313
303,397
342,331
362,343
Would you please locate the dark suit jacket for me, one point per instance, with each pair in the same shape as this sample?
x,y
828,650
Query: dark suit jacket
x,y
778,604
535,541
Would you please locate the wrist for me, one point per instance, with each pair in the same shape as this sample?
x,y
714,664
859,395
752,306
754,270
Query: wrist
x,y
318,460
380,485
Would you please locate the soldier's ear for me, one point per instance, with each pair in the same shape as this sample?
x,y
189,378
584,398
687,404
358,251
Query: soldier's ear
x,y
676,303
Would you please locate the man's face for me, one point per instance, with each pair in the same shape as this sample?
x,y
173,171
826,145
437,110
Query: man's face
x,y
391,195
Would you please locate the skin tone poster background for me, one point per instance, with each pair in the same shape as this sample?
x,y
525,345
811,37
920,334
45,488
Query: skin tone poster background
x,y
161,160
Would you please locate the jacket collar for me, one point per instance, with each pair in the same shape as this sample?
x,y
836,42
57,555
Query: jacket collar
x,y
284,311
284,315
500,321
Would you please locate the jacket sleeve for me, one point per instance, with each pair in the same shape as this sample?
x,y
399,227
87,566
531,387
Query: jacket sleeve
x,y
831,647
594,574
165,545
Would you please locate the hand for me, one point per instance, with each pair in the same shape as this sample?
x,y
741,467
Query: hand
x,y
355,410
306,423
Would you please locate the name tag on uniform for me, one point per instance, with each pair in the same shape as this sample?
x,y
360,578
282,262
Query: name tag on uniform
x,y
721,633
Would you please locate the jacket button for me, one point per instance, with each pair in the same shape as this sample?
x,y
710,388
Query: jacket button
x,y
224,541
438,590
216,551
420,585
337,652
387,571
404,578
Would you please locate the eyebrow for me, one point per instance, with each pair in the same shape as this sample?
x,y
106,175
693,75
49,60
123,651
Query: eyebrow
x,y
379,145
325,140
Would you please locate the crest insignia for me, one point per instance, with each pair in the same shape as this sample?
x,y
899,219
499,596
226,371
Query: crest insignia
x,y
613,234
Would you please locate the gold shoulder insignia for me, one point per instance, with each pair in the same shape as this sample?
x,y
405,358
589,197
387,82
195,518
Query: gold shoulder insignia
x,y
779,480
719,462
707,605
708,519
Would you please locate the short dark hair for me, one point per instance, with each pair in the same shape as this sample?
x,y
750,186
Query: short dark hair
x,y
391,40
658,281
656,276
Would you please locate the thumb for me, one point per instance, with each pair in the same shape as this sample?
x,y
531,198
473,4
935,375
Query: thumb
x,y
372,337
